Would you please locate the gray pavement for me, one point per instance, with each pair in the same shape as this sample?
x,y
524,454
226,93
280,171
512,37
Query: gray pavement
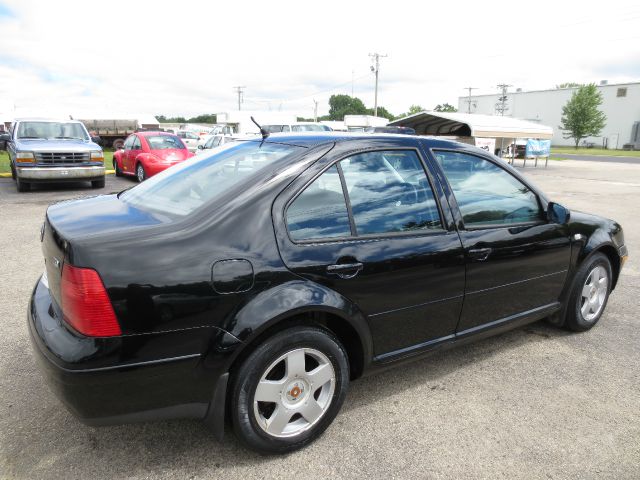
x,y
598,158
532,403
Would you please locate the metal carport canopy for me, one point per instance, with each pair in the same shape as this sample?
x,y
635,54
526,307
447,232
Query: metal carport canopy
x,y
474,125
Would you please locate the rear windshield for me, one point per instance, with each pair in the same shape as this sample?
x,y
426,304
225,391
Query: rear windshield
x,y
182,189
310,128
164,142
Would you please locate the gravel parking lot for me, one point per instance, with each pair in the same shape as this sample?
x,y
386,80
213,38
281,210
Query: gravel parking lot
x,y
533,403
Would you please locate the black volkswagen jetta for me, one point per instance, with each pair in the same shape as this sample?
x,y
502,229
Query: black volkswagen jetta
x,y
251,285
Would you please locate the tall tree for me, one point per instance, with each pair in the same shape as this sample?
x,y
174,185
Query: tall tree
x,y
445,107
382,112
341,105
581,116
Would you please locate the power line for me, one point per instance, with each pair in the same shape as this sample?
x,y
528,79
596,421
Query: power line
x,y
501,106
376,69
240,91
469,97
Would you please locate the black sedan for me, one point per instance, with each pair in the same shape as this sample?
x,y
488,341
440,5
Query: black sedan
x,y
250,285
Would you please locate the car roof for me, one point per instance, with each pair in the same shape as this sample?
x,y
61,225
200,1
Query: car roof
x,y
154,133
311,139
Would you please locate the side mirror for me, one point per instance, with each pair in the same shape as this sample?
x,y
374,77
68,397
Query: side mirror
x,y
556,213
200,147
96,139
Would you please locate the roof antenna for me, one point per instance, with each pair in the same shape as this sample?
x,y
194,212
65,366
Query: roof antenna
x,y
263,132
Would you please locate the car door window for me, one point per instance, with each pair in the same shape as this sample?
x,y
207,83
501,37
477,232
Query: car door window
x,y
486,193
320,211
389,192
136,144
128,143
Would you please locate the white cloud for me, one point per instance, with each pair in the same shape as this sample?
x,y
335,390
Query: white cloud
x,y
186,57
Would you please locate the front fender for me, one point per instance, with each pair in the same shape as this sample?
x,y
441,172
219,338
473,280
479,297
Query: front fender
x,y
294,298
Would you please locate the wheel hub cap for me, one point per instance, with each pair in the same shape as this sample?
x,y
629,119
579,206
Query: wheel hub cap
x,y
294,392
594,293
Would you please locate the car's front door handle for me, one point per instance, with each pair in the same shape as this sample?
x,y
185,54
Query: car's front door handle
x,y
345,270
479,254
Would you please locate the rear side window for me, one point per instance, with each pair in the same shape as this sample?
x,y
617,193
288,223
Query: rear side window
x,y
487,194
389,192
320,211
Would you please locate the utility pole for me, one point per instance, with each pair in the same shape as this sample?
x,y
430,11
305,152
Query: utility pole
x,y
469,98
240,91
315,110
501,106
375,69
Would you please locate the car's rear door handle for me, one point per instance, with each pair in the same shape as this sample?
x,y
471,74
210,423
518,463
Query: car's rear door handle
x,y
479,254
345,270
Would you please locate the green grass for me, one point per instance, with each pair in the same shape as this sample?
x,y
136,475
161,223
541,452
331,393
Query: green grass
x,y
5,168
595,151
4,162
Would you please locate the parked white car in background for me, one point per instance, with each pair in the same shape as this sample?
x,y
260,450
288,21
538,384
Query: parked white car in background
x,y
214,141
190,139
296,127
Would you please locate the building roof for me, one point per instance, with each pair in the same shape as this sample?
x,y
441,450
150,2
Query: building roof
x,y
524,92
472,125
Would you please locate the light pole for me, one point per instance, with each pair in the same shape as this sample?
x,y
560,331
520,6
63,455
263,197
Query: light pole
x,y
375,69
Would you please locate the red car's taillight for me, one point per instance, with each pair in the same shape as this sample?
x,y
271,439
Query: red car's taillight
x,y
85,303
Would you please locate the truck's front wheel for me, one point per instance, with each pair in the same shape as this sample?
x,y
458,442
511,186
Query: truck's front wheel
x,y
97,183
21,185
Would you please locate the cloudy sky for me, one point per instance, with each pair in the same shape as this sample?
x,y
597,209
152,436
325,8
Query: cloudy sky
x,y
185,57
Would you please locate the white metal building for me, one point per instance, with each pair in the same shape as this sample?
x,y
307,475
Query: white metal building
x,y
621,105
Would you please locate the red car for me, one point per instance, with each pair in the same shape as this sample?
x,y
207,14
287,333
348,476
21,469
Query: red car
x,y
146,153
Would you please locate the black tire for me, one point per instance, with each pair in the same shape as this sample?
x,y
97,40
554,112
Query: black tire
x,y
98,183
117,168
575,320
141,174
13,172
257,364
21,185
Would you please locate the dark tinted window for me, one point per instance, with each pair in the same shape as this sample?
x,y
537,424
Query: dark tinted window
x,y
320,211
487,194
389,192
136,144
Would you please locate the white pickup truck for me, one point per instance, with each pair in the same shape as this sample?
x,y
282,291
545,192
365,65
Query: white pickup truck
x,y
52,151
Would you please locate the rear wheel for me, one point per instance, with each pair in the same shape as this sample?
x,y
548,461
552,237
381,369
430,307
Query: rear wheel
x,y
118,143
289,390
590,293
141,175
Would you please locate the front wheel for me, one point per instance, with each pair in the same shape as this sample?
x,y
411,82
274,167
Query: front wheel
x,y
141,175
97,183
590,293
21,185
289,390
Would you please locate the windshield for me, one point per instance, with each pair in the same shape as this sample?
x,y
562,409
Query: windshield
x,y
48,130
310,128
164,142
182,189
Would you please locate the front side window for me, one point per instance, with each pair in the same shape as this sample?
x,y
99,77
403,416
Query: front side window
x,y
136,144
487,194
129,142
389,192
320,211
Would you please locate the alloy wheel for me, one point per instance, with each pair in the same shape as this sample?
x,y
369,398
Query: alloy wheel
x,y
594,293
294,392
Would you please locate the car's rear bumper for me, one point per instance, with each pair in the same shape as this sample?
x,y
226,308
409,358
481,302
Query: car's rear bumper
x,y
119,391
153,168
57,174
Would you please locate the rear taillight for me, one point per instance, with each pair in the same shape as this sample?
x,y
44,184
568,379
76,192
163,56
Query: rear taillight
x,y
85,303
